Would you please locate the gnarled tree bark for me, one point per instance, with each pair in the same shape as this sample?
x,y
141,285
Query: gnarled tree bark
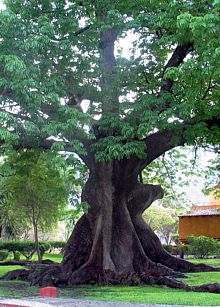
x,y
112,244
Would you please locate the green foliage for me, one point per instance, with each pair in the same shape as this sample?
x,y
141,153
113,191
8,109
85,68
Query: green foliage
x,y
175,238
25,248
71,216
175,171
212,179
203,246
51,62
3,254
58,244
164,221
184,249
168,247
44,246
34,190
17,256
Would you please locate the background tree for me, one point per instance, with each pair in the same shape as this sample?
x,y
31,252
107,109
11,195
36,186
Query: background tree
x,y
61,55
35,194
75,175
163,221
212,179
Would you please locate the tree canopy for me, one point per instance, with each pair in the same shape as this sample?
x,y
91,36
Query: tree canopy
x,y
54,55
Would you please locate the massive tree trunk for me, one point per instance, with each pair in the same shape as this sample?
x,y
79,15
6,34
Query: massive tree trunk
x,y
112,243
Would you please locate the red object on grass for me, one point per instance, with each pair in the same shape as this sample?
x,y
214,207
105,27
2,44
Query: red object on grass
x,y
48,291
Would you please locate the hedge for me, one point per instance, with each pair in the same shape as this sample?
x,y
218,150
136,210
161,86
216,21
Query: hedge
x,y
58,244
203,246
26,248
3,255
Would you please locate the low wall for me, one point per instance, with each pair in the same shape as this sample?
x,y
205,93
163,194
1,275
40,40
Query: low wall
x,y
208,226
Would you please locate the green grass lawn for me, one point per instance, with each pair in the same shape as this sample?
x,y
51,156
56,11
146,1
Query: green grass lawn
x,y
17,289
211,261
141,294
54,257
145,294
196,279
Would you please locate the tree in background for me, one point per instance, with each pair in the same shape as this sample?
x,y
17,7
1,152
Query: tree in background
x,y
55,56
212,179
75,176
164,221
35,193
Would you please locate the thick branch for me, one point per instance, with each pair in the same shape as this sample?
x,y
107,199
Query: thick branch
x,y
46,144
108,82
162,141
82,30
106,45
77,33
176,59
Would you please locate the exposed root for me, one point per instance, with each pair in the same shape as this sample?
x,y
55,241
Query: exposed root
x,y
156,253
48,276
28,263
18,274
173,283
213,288
87,274
201,267
134,279
54,276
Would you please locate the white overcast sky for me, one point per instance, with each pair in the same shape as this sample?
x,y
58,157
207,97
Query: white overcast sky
x,y
1,4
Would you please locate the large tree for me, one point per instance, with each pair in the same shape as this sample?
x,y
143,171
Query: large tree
x,y
56,56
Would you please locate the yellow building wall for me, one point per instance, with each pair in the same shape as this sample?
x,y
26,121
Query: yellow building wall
x,y
208,226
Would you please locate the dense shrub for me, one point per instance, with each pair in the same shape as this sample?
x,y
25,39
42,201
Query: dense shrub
x,y
26,248
168,247
202,246
44,246
17,256
3,254
58,244
183,249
